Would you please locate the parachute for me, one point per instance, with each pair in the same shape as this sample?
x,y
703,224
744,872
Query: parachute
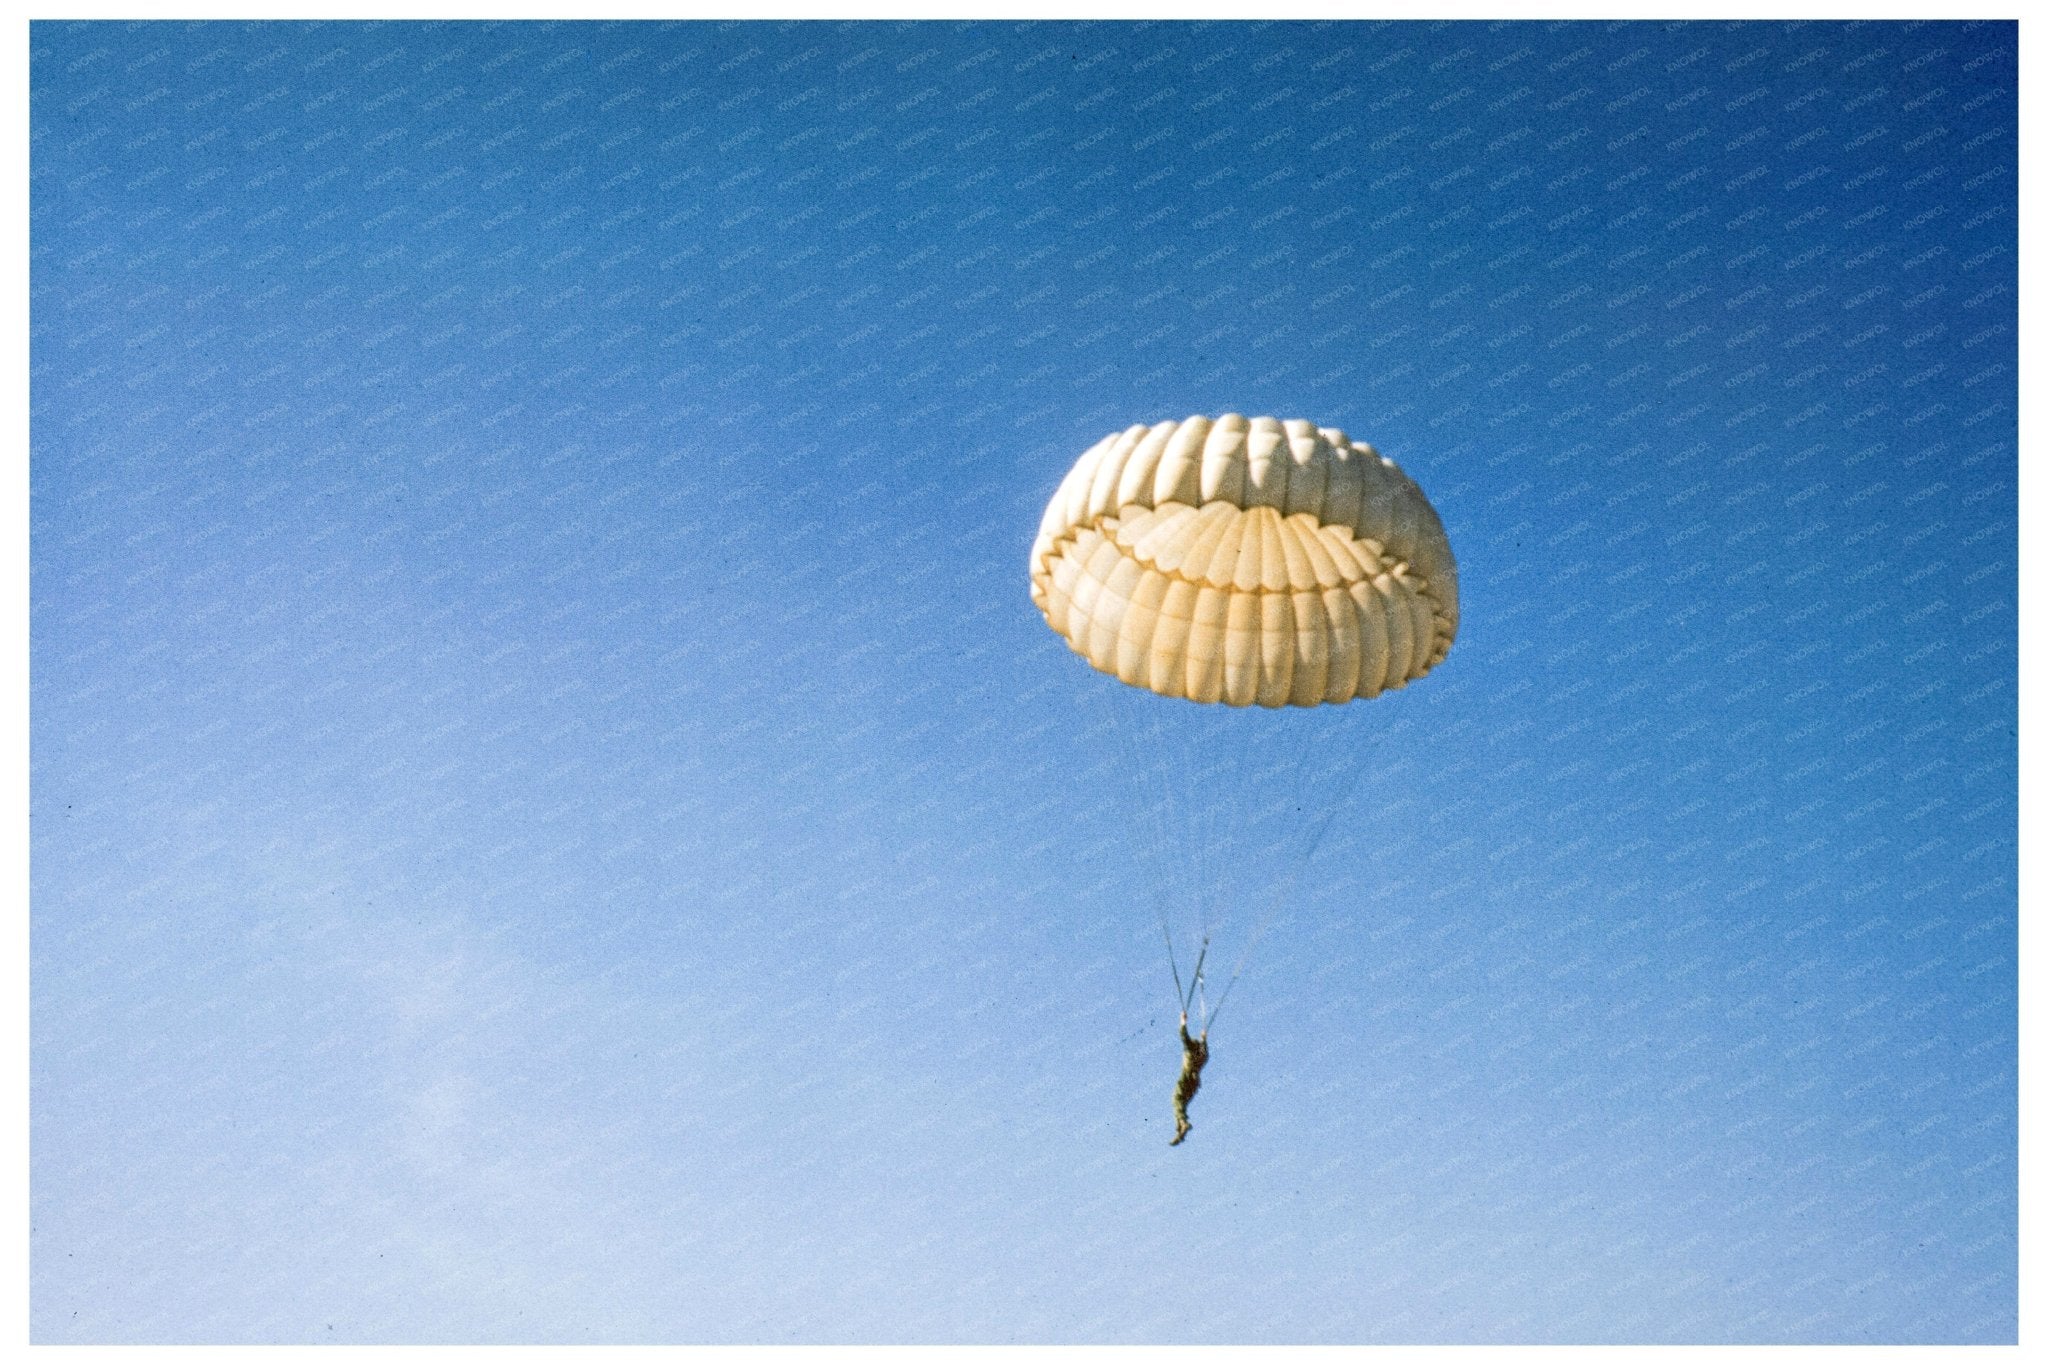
x,y
1236,563
1242,562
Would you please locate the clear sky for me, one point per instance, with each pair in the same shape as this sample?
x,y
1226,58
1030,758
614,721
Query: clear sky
x,y
554,818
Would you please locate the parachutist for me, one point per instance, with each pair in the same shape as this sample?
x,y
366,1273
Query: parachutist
x,y
1246,562
1194,1055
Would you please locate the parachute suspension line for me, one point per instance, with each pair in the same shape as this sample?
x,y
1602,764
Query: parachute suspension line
x,y
1280,894
1154,841
1186,823
1144,751
1195,989
1212,818
1307,745
1185,839
1179,993
1152,759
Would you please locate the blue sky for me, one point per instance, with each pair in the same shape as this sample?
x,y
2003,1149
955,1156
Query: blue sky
x,y
554,818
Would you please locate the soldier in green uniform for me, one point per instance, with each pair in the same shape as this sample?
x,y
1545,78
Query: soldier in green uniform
x,y
1194,1055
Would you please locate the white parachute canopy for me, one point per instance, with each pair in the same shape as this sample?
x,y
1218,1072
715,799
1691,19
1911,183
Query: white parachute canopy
x,y
1242,562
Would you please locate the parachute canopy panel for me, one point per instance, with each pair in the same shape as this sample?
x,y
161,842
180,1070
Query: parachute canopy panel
x,y
1248,562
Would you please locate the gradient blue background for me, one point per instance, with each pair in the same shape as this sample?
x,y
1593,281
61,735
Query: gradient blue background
x,y
555,820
